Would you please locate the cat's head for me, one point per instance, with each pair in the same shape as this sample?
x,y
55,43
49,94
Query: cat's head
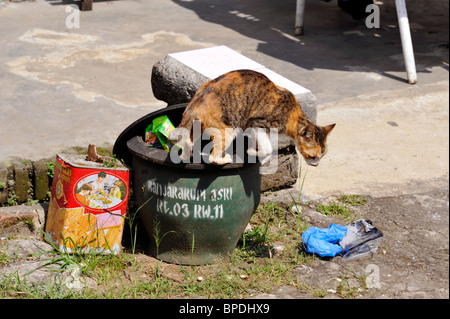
x,y
312,142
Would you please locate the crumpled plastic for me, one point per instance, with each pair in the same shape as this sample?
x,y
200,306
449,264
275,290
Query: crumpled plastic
x,y
355,240
324,241
362,239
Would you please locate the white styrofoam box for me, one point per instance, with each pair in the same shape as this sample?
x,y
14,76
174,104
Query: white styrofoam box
x,y
215,61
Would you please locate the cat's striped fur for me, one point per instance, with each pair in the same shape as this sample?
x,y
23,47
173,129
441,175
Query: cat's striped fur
x,y
248,99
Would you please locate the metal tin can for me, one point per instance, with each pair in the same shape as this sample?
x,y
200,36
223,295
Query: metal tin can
x,y
88,205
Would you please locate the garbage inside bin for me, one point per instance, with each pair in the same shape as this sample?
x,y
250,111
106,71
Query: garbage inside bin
x,y
352,241
157,133
151,139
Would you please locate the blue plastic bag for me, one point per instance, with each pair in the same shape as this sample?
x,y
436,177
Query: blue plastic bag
x,y
324,241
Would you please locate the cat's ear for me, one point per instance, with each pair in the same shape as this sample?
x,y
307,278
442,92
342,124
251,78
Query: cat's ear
x,y
327,129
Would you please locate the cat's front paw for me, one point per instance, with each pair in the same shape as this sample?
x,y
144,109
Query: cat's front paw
x,y
185,155
221,160
252,152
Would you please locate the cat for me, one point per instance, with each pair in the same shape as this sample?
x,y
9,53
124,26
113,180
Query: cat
x,y
248,99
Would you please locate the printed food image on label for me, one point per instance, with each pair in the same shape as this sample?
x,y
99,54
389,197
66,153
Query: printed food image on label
x,y
100,191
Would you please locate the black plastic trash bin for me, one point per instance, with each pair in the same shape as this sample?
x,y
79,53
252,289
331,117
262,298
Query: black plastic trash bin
x,y
194,213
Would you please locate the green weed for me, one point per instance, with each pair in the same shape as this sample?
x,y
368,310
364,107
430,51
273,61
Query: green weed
x,y
335,210
353,200
51,169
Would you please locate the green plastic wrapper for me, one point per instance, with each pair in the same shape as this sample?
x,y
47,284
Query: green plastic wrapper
x,y
161,127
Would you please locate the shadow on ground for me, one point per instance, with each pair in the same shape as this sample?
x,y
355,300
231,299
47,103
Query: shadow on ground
x,y
328,29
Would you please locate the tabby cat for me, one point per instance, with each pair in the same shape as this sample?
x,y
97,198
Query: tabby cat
x,y
248,99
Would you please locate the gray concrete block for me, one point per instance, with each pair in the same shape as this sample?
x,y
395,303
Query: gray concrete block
x,y
286,173
175,83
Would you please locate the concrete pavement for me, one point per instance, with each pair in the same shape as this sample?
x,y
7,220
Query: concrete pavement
x,y
66,87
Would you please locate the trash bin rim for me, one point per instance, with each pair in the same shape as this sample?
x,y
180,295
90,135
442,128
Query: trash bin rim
x,y
137,147
120,149
130,143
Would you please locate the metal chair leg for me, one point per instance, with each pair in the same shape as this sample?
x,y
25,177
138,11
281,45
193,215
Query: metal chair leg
x,y
299,14
405,34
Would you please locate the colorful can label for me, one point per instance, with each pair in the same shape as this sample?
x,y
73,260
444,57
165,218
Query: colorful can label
x,y
88,205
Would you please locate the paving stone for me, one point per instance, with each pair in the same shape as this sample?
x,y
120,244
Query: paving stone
x,y
3,183
41,179
22,181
